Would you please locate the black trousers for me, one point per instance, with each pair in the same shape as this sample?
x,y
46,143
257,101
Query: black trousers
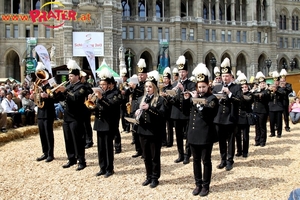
x,y
226,135
180,128
151,146
136,139
30,117
105,150
275,119
286,115
74,140
16,117
261,128
242,139
88,128
46,135
202,153
125,123
116,131
170,132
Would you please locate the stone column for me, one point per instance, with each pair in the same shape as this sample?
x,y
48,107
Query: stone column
x,y
217,11
1,6
233,12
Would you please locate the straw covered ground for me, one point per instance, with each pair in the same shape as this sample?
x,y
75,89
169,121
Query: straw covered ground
x,y
270,172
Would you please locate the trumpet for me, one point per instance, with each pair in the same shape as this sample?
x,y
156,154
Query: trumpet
x,y
50,91
90,103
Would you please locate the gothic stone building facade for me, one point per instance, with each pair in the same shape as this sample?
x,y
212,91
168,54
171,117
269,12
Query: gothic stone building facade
x,y
256,35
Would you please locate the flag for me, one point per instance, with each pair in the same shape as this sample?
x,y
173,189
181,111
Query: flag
x,y
44,56
90,56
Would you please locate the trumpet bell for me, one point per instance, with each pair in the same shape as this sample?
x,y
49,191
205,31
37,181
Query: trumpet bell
x,y
90,104
42,74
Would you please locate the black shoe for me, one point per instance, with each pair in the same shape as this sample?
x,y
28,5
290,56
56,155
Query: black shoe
x,y
89,145
154,183
108,174
186,160
229,167
256,144
118,151
43,157
262,145
271,135
69,164
81,166
164,144
197,190
238,154
3,130
136,155
49,159
221,166
100,173
245,155
204,192
287,129
146,182
279,136
178,160
169,145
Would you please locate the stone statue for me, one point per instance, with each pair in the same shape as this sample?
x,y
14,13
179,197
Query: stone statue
x,y
52,53
121,53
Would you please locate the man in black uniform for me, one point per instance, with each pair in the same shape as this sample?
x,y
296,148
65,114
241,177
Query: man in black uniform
x,y
125,99
137,90
73,125
276,106
175,77
226,119
87,112
45,117
261,109
287,89
168,136
178,114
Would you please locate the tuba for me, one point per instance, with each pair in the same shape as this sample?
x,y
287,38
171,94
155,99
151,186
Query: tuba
x,y
41,75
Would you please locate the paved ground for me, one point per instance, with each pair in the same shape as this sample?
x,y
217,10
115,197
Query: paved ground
x,y
270,172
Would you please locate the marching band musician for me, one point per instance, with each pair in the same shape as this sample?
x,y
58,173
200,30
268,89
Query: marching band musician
x,y
226,119
168,136
245,107
201,132
115,94
73,125
149,110
287,89
175,77
276,106
123,86
218,79
137,90
45,119
87,112
261,97
107,102
178,114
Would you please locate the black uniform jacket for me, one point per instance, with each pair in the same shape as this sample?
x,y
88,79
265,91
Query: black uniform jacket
x,y
261,100
228,107
168,108
201,128
177,110
137,92
151,120
286,91
74,102
105,111
276,100
245,106
48,110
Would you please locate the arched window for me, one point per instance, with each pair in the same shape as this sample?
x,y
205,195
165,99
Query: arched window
x,y
158,9
284,22
295,23
205,13
126,9
142,9
280,22
213,16
220,14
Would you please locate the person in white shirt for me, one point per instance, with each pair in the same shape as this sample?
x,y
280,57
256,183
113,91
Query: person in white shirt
x,y
3,120
11,108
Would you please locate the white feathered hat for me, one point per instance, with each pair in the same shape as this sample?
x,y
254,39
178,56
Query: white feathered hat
x,y
275,76
142,66
201,73
260,77
217,71
181,63
283,73
225,66
123,71
153,76
73,67
40,66
167,72
242,78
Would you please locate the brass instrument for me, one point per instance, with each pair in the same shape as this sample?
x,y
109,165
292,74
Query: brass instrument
x,y
41,75
91,103
128,108
50,91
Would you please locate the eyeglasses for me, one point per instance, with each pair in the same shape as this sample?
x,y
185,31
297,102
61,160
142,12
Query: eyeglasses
x,y
102,84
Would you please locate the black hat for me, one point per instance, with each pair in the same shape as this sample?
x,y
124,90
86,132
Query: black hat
x,y
201,73
181,62
153,76
260,77
142,66
225,66
73,67
167,72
